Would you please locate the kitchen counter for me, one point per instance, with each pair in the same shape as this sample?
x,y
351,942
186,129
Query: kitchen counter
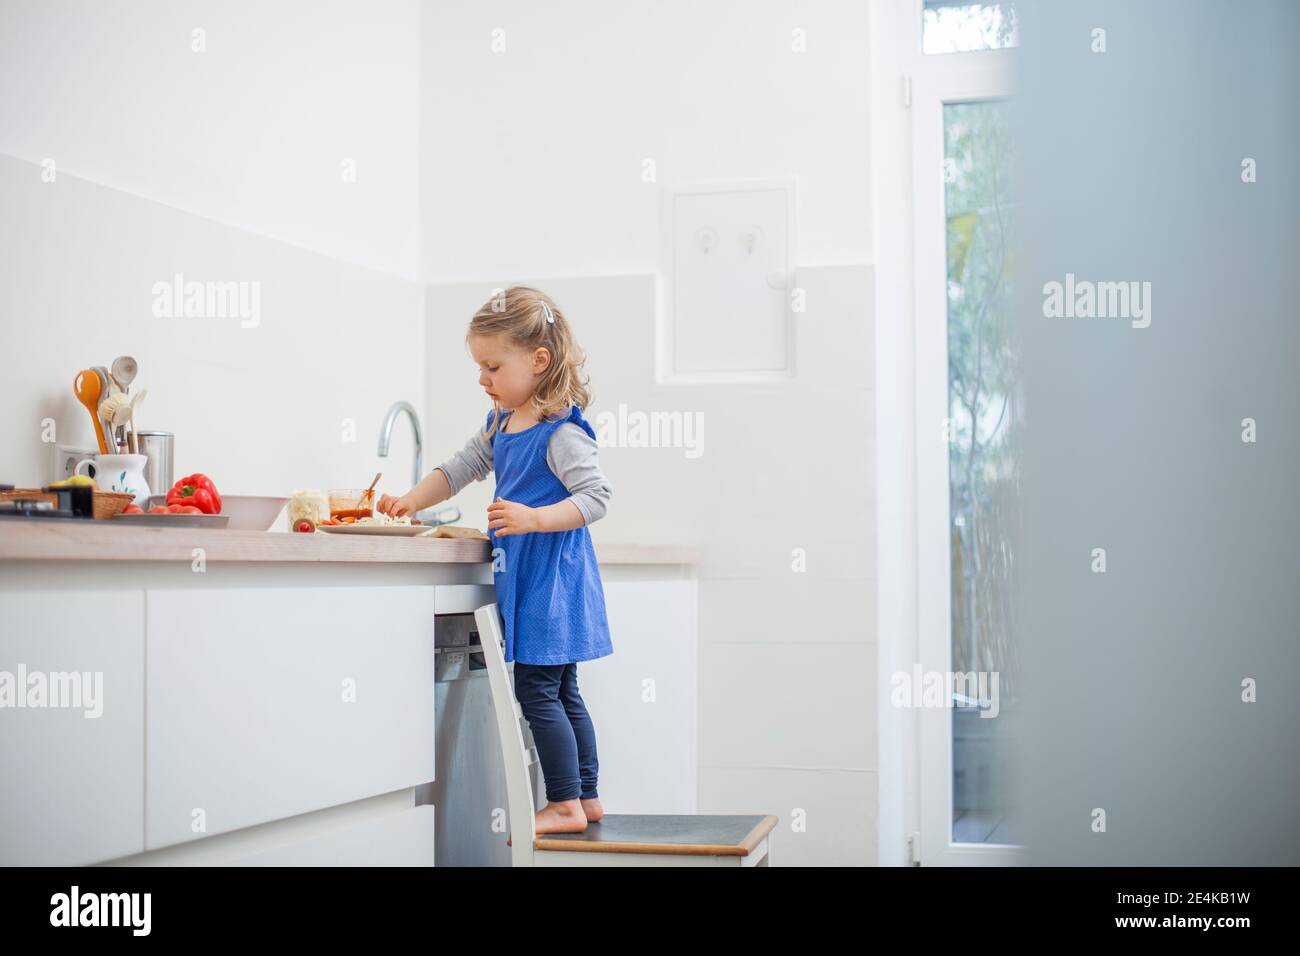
x,y
51,540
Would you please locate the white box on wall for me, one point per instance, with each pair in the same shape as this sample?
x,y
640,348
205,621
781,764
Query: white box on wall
x,y
729,254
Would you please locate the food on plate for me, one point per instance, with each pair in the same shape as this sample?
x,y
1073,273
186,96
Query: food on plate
x,y
197,491
132,509
380,520
308,504
176,510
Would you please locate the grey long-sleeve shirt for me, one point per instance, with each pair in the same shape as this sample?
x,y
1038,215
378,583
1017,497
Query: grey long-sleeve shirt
x,y
571,454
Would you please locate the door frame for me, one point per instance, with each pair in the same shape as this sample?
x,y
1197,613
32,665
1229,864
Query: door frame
x,y
938,80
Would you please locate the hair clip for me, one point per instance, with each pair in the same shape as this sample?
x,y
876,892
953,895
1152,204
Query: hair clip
x,y
550,316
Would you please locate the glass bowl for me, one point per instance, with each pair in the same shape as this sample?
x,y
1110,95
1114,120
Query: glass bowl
x,y
355,502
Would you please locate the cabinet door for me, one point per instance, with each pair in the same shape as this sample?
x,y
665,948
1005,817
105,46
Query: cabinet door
x,y
642,698
404,838
72,775
265,703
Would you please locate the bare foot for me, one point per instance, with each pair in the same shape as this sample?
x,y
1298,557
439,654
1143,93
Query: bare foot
x,y
563,817
568,816
592,808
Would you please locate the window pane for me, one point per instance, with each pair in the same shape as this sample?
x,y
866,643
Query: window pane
x,y
954,27
983,467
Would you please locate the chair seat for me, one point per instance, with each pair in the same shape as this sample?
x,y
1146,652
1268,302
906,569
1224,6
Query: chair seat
x,y
698,834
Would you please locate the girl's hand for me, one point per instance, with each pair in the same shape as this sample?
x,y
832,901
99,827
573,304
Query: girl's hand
x,y
510,517
395,507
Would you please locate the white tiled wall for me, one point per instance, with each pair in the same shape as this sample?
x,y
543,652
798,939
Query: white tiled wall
x,y
263,409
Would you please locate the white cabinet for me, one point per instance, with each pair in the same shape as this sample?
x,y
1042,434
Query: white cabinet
x,y
268,702
404,838
71,776
234,701
642,698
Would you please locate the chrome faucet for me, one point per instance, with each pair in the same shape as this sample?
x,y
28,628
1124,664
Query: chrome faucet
x,y
386,434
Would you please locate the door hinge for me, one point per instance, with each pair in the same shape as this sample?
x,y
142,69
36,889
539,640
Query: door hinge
x,y
907,91
914,849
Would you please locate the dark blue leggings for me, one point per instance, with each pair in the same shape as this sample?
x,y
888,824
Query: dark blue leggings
x,y
562,728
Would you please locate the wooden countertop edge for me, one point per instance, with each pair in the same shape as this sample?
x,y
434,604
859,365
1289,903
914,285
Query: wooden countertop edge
x,y
49,540
752,839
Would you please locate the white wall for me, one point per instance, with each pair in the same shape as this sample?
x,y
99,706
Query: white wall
x,y
260,409
251,132
532,157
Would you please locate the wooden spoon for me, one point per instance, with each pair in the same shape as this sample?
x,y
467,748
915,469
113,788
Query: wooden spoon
x,y
124,369
130,419
86,387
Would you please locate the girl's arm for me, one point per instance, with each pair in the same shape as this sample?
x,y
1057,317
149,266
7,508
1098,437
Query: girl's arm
x,y
561,516
574,458
433,488
471,463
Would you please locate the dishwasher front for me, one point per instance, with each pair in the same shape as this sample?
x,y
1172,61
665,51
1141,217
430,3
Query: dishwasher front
x,y
469,789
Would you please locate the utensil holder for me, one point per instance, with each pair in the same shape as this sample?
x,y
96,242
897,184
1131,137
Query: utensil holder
x,y
158,449
118,473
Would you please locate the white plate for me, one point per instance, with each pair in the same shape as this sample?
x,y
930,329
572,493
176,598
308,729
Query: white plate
x,y
393,530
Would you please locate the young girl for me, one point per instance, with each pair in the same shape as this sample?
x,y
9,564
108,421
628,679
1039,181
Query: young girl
x,y
549,487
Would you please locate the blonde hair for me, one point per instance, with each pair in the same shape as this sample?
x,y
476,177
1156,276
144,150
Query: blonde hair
x,y
520,313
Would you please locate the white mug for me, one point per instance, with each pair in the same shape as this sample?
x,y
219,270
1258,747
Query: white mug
x,y
119,473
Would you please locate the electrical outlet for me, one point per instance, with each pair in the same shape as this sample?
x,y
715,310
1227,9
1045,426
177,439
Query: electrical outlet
x,y
66,458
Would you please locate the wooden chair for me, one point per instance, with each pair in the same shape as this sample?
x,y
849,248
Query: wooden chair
x,y
617,839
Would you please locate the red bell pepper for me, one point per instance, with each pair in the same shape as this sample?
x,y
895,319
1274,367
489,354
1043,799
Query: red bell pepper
x,y
196,490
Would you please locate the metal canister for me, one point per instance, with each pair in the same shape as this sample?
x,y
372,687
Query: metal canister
x,y
158,448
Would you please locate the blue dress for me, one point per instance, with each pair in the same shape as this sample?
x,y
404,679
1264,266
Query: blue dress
x,y
548,584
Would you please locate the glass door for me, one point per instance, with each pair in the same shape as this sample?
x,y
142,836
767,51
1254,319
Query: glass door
x,y
968,416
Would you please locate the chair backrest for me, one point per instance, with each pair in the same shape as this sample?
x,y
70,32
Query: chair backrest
x,y
514,752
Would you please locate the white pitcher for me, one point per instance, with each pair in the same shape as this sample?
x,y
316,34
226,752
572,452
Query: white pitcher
x,y
119,473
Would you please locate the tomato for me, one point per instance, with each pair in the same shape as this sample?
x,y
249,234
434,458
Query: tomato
x,y
174,510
